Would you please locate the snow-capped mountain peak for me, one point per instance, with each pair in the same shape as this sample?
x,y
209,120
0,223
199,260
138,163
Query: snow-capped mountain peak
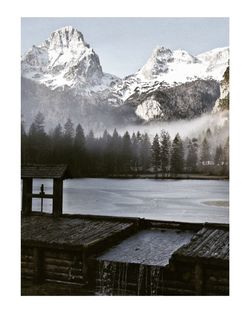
x,y
156,64
65,59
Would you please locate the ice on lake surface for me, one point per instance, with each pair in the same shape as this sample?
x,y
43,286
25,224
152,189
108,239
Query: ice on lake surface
x,y
175,200
151,247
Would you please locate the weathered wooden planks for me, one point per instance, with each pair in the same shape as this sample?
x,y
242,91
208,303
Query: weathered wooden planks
x,y
68,232
209,243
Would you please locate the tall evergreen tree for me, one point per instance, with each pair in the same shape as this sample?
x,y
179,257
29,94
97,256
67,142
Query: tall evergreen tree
x,y
218,158
57,144
192,156
205,152
37,127
91,144
145,153
38,140
79,140
69,131
68,139
105,164
78,151
135,153
156,154
24,143
126,152
116,147
165,153
177,155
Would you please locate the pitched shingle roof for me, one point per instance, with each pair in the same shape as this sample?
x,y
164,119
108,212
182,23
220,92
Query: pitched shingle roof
x,y
44,171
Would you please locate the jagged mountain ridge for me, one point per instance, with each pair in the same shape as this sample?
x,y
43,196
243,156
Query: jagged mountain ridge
x,y
65,72
66,60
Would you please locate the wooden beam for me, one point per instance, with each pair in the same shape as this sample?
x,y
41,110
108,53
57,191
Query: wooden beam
x,y
38,195
26,200
58,196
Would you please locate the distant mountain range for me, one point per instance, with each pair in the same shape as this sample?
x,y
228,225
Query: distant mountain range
x,y
63,78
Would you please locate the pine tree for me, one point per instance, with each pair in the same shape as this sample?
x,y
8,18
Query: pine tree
x,y
91,146
126,152
78,151
177,156
106,156
68,138
165,153
218,158
38,141
156,154
192,156
205,152
37,127
79,140
145,154
116,151
57,144
24,144
69,131
135,153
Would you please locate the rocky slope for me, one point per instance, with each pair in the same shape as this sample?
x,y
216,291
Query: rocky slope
x,y
222,103
185,101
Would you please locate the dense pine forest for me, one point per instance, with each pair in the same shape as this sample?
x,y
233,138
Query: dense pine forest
x,y
114,154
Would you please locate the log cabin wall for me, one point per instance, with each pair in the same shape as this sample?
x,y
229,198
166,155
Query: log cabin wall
x,y
176,279
52,265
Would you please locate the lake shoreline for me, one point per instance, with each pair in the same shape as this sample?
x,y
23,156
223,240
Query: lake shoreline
x,y
159,177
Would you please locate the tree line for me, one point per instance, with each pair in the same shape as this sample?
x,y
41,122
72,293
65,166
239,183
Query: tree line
x,y
115,154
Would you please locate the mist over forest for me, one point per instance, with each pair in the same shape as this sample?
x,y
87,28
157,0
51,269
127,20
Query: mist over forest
x,y
163,149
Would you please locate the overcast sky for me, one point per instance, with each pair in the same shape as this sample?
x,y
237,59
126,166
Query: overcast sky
x,y
125,44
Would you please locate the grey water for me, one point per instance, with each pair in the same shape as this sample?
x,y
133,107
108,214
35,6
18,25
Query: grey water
x,y
175,200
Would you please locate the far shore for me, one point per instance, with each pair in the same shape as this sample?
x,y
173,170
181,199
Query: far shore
x,y
160,177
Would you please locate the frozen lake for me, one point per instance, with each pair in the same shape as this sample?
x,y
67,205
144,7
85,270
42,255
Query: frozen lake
x,y
175,200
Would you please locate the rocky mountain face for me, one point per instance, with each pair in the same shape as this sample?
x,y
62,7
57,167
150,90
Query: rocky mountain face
x,y
222,103
185,101
63,78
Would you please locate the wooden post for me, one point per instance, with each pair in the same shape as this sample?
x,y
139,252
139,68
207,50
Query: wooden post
x,y
38,265
57,196
26,196
198,279
84,267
